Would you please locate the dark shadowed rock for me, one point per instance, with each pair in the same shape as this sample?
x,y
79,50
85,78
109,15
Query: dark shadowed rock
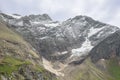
x,y
108,48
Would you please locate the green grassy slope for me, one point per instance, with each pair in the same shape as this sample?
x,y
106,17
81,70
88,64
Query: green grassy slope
x,y
86,71
13,43
18,59
114,68
91,72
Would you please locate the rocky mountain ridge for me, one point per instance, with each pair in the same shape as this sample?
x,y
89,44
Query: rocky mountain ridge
x,y
66,41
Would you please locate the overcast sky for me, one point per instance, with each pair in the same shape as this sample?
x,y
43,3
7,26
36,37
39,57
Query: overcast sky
x,y
103,10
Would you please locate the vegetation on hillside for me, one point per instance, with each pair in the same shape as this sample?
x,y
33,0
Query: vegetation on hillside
x,y
114,68
18,60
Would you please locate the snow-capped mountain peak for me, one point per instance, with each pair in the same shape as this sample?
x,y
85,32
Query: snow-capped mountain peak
x,y
75,36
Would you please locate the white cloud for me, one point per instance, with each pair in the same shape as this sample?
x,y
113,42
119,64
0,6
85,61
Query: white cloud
x,y
116,19
103,10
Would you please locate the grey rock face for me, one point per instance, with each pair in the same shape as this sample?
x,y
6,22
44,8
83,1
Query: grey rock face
x,y
66,41
38,18
109,47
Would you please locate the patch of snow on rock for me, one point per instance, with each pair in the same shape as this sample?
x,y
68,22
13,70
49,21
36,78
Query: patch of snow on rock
x,y
83,50
15,16
65,52
94,31
20,23
52,24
